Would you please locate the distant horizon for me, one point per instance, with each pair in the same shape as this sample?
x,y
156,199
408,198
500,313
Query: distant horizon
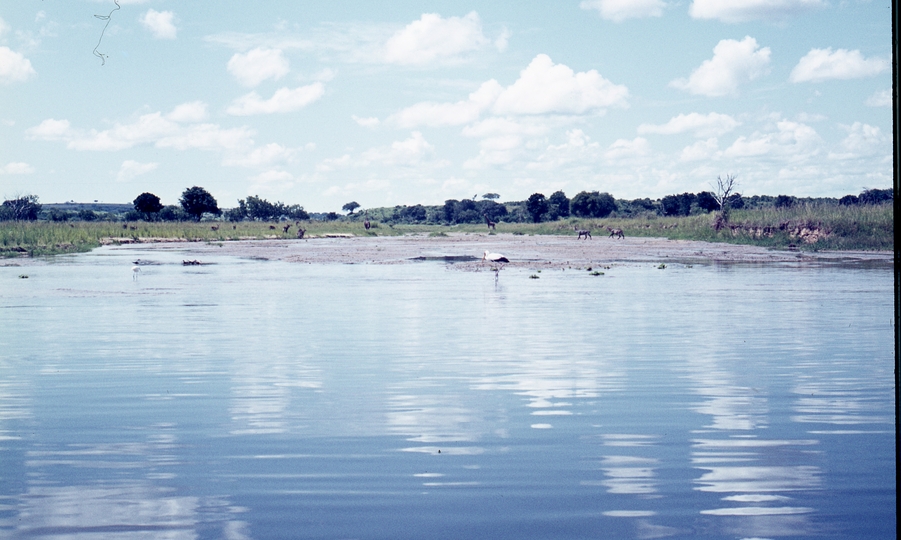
x,y
398,104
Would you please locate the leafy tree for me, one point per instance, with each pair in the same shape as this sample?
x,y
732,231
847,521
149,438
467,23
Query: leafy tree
x,y
592,205
197,201
350,207
173,213
784,201
492,210
707,202
491,196
537,206
449,210
876,196
849,200
22,208
559,205
148,203
87,215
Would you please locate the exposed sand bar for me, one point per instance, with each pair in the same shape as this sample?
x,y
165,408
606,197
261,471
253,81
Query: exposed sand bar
x,y
465,251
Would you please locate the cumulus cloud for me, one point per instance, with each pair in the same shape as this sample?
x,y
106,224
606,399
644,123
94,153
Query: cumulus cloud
x,y
823,64
450,114
701,151
16,167
863,140
160,23
406,152
194,111
433,38
624,149
733,63
14,67
262,156
702,125
620,10
271,182
544,87
131,169
283,101
255,66
789,138
882,98
735,11
367,122
49,130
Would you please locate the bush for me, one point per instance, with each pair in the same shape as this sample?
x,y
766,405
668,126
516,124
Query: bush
x,y
24,208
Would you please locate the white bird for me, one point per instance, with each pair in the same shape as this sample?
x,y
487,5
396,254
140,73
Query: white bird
x,y
494,257
134,272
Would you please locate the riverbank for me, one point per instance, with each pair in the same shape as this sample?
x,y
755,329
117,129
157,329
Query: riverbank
x,y
464,251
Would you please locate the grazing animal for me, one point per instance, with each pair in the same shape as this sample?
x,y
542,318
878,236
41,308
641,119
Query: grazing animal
x,y
234,227
490,223
300,233
616,233
286,227
367,224
494,257
583,232
125,225
272,227
214,227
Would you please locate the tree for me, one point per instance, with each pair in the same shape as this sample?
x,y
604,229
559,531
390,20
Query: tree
x,y
876,196
784,201
537,206
350,207
559,205
197,201
491,196
148,203
707,202
592,205
22,208
724,196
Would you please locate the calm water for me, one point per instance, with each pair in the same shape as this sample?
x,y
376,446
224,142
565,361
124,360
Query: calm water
x,y
253,399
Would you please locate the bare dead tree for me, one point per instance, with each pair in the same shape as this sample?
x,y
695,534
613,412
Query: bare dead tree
x,y
724,188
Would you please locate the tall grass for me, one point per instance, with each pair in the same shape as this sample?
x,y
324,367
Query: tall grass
x,y
806,227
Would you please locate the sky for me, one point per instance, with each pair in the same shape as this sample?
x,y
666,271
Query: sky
x,y
409,102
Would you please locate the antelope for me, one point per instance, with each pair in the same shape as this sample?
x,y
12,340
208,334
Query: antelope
x,y
367,224
490,223
214,227
300,233
582,232
272,227
615,233
286,227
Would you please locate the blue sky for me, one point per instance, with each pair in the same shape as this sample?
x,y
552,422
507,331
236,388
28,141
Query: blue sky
x,y
403,102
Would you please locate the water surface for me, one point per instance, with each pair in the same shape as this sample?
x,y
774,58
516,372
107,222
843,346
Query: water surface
x,y
261,399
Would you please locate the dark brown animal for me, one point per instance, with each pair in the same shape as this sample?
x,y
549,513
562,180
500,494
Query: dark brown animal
x,y
214,227
616,233
300,233
583,232
367,224
490,224
272,227
286,227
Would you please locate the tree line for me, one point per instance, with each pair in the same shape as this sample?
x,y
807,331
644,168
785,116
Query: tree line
x,y
197,203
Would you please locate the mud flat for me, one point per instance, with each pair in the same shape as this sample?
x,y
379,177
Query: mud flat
x,y
464,251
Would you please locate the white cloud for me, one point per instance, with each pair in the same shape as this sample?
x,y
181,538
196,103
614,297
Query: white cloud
x,y
160,23
794,140
271,182
823,64
283,101
368,122
734,11
733,63
261,156
151,128
49,130
433,38
16,167
194,111
450,114
625,149
406,152
14,67
544,87
701,150
863,140
882,98
131,169
620,10
255,66
4,28
702,125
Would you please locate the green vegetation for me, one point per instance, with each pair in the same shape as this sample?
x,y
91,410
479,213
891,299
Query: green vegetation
x,y
864,222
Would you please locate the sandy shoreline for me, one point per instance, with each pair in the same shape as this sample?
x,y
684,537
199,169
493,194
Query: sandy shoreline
x,y
465,251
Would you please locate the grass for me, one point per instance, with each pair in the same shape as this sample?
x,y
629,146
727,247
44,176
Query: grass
x,y
803,227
